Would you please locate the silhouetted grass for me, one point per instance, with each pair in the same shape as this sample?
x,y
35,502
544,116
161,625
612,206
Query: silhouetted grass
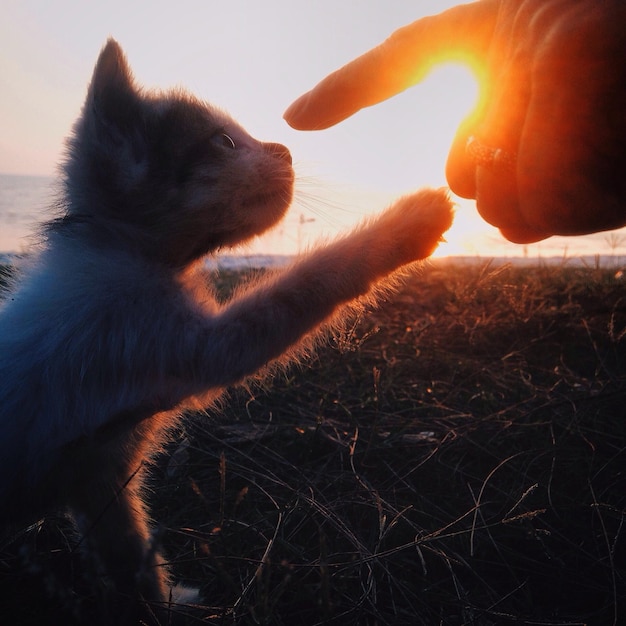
x,y
456,457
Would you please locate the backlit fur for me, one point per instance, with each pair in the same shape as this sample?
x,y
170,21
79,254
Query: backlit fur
x,y
114,327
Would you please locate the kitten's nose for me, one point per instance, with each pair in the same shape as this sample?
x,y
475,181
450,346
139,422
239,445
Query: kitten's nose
x,y
279,151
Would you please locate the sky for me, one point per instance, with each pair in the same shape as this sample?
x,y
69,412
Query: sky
x,y
252,58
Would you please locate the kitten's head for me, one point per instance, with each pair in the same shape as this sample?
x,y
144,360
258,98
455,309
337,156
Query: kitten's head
x,y
168,174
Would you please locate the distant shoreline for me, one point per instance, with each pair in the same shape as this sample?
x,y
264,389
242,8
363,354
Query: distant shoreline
x,y
243,261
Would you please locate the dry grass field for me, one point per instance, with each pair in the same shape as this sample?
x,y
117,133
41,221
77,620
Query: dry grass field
x,y
456,457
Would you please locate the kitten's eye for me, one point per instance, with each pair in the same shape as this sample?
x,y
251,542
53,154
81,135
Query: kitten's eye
x,y
223,140
226,141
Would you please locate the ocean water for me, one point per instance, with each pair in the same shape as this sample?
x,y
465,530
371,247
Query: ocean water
x,y
23,204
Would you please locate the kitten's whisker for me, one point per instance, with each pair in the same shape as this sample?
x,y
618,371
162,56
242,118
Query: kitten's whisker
x,y
329,207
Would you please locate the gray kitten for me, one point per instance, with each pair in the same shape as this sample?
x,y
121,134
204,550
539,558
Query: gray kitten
x,y
114,329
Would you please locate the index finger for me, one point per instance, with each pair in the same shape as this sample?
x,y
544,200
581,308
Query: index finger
x,y
460,33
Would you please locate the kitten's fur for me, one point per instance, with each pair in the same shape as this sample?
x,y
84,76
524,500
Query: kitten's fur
x,y
114,330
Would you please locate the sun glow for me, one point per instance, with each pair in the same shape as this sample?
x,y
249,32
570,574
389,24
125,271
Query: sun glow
x,y
472,78
468,233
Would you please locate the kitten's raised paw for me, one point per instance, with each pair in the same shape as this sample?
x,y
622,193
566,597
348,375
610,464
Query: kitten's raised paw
x,y
419,220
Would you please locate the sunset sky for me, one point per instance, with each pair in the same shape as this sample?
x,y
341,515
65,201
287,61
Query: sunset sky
x,y
251,58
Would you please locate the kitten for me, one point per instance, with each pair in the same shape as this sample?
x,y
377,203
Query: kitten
x,y
114,328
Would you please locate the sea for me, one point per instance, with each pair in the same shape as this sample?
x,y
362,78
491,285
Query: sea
x,y
26,201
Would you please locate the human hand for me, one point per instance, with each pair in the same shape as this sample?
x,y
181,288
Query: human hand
x,y
544,153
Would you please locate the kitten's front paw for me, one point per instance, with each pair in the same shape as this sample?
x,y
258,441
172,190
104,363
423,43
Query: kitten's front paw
x,y
419,220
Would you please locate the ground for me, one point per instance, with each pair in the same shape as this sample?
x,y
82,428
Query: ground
x,y
456,457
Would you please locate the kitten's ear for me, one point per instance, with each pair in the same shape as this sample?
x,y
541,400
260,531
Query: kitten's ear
x,y
112,90
111,122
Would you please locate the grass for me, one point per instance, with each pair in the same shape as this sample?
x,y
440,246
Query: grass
x,y
456,457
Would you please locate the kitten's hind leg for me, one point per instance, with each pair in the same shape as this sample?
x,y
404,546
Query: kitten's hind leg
x,y
118,548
